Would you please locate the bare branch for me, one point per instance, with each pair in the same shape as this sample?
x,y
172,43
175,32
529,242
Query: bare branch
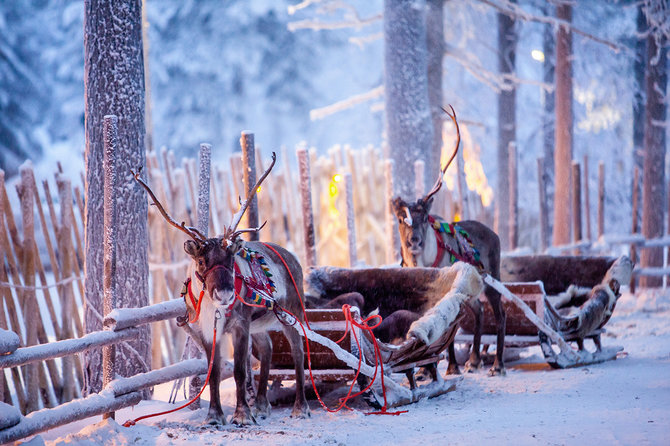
x,y
318,25
512,10
320,113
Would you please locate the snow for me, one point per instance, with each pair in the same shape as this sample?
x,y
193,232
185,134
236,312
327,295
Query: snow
x,y
623,401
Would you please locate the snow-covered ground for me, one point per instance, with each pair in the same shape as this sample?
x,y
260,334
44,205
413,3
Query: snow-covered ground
x,y
626,401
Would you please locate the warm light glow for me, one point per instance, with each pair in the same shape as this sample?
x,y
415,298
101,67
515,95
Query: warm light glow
x,y
475,178
537,55
258,191
337,177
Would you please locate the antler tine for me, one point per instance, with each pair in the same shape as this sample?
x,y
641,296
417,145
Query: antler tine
x,y
245,204
438,183
191,232
242,231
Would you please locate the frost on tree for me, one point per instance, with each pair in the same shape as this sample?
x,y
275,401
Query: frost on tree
x,y
114,80
408,120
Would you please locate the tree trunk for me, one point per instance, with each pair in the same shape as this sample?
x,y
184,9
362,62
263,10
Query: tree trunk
x,y
435,42
114,84
548,117
638,97
563,151
506,126
408,119
653,177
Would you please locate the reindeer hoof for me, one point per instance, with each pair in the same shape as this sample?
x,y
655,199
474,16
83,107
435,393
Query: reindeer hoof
x,y
243,418
472,366
214,419
497,371
453,370
262,409
301,412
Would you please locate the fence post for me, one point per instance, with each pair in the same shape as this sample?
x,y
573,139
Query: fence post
x,y
634,224
351,218
601,199
204,170
109,278
576,205
249,176
587,200
419,182
544,210
513,197
306,199
392,238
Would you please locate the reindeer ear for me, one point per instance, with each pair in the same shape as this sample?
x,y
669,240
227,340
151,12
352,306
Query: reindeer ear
x,y
192,247
232,246
427,204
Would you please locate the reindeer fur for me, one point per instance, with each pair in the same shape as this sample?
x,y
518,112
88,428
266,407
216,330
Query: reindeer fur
x,y
245,323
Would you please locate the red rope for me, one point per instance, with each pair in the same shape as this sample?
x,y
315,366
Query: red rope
x,y
350,322
209,371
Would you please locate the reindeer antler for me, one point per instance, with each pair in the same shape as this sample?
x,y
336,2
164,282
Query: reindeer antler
x,y
188,230
438,183
231,231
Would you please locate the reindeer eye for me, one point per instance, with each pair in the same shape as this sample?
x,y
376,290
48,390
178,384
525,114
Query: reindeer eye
x,y
200,262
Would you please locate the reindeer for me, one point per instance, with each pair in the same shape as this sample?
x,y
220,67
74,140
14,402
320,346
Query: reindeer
x,y
429,241
221,269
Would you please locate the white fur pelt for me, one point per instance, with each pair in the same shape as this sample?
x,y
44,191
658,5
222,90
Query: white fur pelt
x,y
466,284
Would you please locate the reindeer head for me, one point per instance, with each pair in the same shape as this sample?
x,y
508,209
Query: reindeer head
x,y
413,217
213,258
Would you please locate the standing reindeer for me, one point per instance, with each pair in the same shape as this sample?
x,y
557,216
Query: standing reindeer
x,y
262,277
429,241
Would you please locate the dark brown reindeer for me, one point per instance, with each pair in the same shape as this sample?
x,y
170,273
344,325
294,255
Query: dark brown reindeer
x,y
221,268
429,241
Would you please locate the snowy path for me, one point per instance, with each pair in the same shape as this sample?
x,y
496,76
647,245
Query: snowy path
x,y
626,401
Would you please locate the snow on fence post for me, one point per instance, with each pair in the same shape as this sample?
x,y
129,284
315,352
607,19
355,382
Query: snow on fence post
x,y
392,237
419,182
204,170
28,298
351,218
601,199
249,178
110,234
513,223
544,209
576,205
306,199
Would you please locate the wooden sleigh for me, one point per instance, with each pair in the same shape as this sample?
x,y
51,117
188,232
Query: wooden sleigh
x,y
528,307
334,363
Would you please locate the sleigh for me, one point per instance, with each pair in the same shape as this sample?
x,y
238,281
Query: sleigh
x,y
532,316
333,363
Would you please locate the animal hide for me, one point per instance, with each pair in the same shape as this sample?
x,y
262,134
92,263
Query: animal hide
x,y
596,309
466,284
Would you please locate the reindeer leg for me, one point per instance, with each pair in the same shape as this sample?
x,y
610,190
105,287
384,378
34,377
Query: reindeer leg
x,y
215,413
475,360
452,368
264,351
300,407
495,299
240,332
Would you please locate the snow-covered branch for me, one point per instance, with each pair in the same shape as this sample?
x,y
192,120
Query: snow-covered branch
x,y
320,113
495,81
364,40
318,25
513,10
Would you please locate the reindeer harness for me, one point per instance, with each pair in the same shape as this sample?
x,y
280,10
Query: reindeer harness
x,y
466,249
258,282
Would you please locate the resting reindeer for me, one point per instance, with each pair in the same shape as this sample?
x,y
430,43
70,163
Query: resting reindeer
x,y
229,269
429,241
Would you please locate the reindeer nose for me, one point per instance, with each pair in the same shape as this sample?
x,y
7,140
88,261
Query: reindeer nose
x,y
415,240
220,296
